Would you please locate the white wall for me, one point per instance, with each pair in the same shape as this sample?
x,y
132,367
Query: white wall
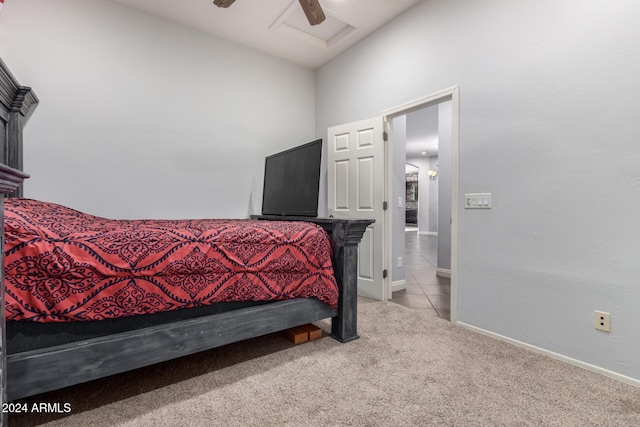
x,y
140,117
548,124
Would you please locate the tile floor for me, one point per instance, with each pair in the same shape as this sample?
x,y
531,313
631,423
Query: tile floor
x,y
424,290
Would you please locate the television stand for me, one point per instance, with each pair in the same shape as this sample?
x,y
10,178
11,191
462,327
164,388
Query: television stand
x,y
345,235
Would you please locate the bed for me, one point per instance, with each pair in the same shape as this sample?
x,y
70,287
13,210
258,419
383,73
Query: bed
x,y
66,346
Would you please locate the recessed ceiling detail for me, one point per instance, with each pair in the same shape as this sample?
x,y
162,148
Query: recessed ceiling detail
x,y
279,27
333,31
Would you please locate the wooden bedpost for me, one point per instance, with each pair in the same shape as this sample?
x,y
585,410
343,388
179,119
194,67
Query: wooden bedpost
x,y
10,180
17,103
345,236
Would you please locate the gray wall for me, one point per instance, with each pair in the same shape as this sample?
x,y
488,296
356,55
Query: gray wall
x,y
548,125
141,117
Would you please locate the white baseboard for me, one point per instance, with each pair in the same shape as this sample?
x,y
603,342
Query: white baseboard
x,y
443,273
398,285
428,233
589,367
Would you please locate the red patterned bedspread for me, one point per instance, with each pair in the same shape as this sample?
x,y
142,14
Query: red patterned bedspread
x,y
64,265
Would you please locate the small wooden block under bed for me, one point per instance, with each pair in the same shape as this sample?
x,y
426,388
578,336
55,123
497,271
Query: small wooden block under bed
x,y
304,333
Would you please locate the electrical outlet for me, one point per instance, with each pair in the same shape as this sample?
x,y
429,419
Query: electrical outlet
x,y
399,261
603,321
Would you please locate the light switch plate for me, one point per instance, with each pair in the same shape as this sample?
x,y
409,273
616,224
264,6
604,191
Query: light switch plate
x,y
477,201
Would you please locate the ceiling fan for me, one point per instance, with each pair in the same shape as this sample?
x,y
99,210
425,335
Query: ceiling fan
x,y
312,9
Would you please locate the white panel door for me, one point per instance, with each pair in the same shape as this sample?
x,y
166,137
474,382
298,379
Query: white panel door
x,y
356,190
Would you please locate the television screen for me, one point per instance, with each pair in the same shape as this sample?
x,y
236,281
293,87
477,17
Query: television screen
x,y
292,181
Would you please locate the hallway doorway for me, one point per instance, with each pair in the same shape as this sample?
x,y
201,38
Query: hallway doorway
x,y
423,261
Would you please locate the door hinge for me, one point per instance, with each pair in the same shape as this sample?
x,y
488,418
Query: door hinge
x,y
385,136
385,273
385,206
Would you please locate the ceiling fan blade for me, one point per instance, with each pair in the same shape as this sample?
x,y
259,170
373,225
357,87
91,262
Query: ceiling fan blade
x,y
223,3
313,10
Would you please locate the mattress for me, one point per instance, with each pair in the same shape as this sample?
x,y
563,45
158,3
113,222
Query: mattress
x,y
64,265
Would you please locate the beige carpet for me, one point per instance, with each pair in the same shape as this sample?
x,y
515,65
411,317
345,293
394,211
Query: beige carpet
x,y
409,368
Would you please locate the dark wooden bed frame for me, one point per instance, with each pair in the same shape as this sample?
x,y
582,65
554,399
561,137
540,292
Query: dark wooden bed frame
x,y
31,372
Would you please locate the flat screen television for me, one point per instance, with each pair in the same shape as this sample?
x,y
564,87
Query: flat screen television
x,y
292,181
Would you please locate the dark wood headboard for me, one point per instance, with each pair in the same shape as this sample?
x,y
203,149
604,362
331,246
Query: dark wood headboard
x,y
17,103
16,106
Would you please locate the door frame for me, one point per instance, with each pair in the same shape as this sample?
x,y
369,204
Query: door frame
x,y
450,94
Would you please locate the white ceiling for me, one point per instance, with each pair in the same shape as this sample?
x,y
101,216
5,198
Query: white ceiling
x,y
279,27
